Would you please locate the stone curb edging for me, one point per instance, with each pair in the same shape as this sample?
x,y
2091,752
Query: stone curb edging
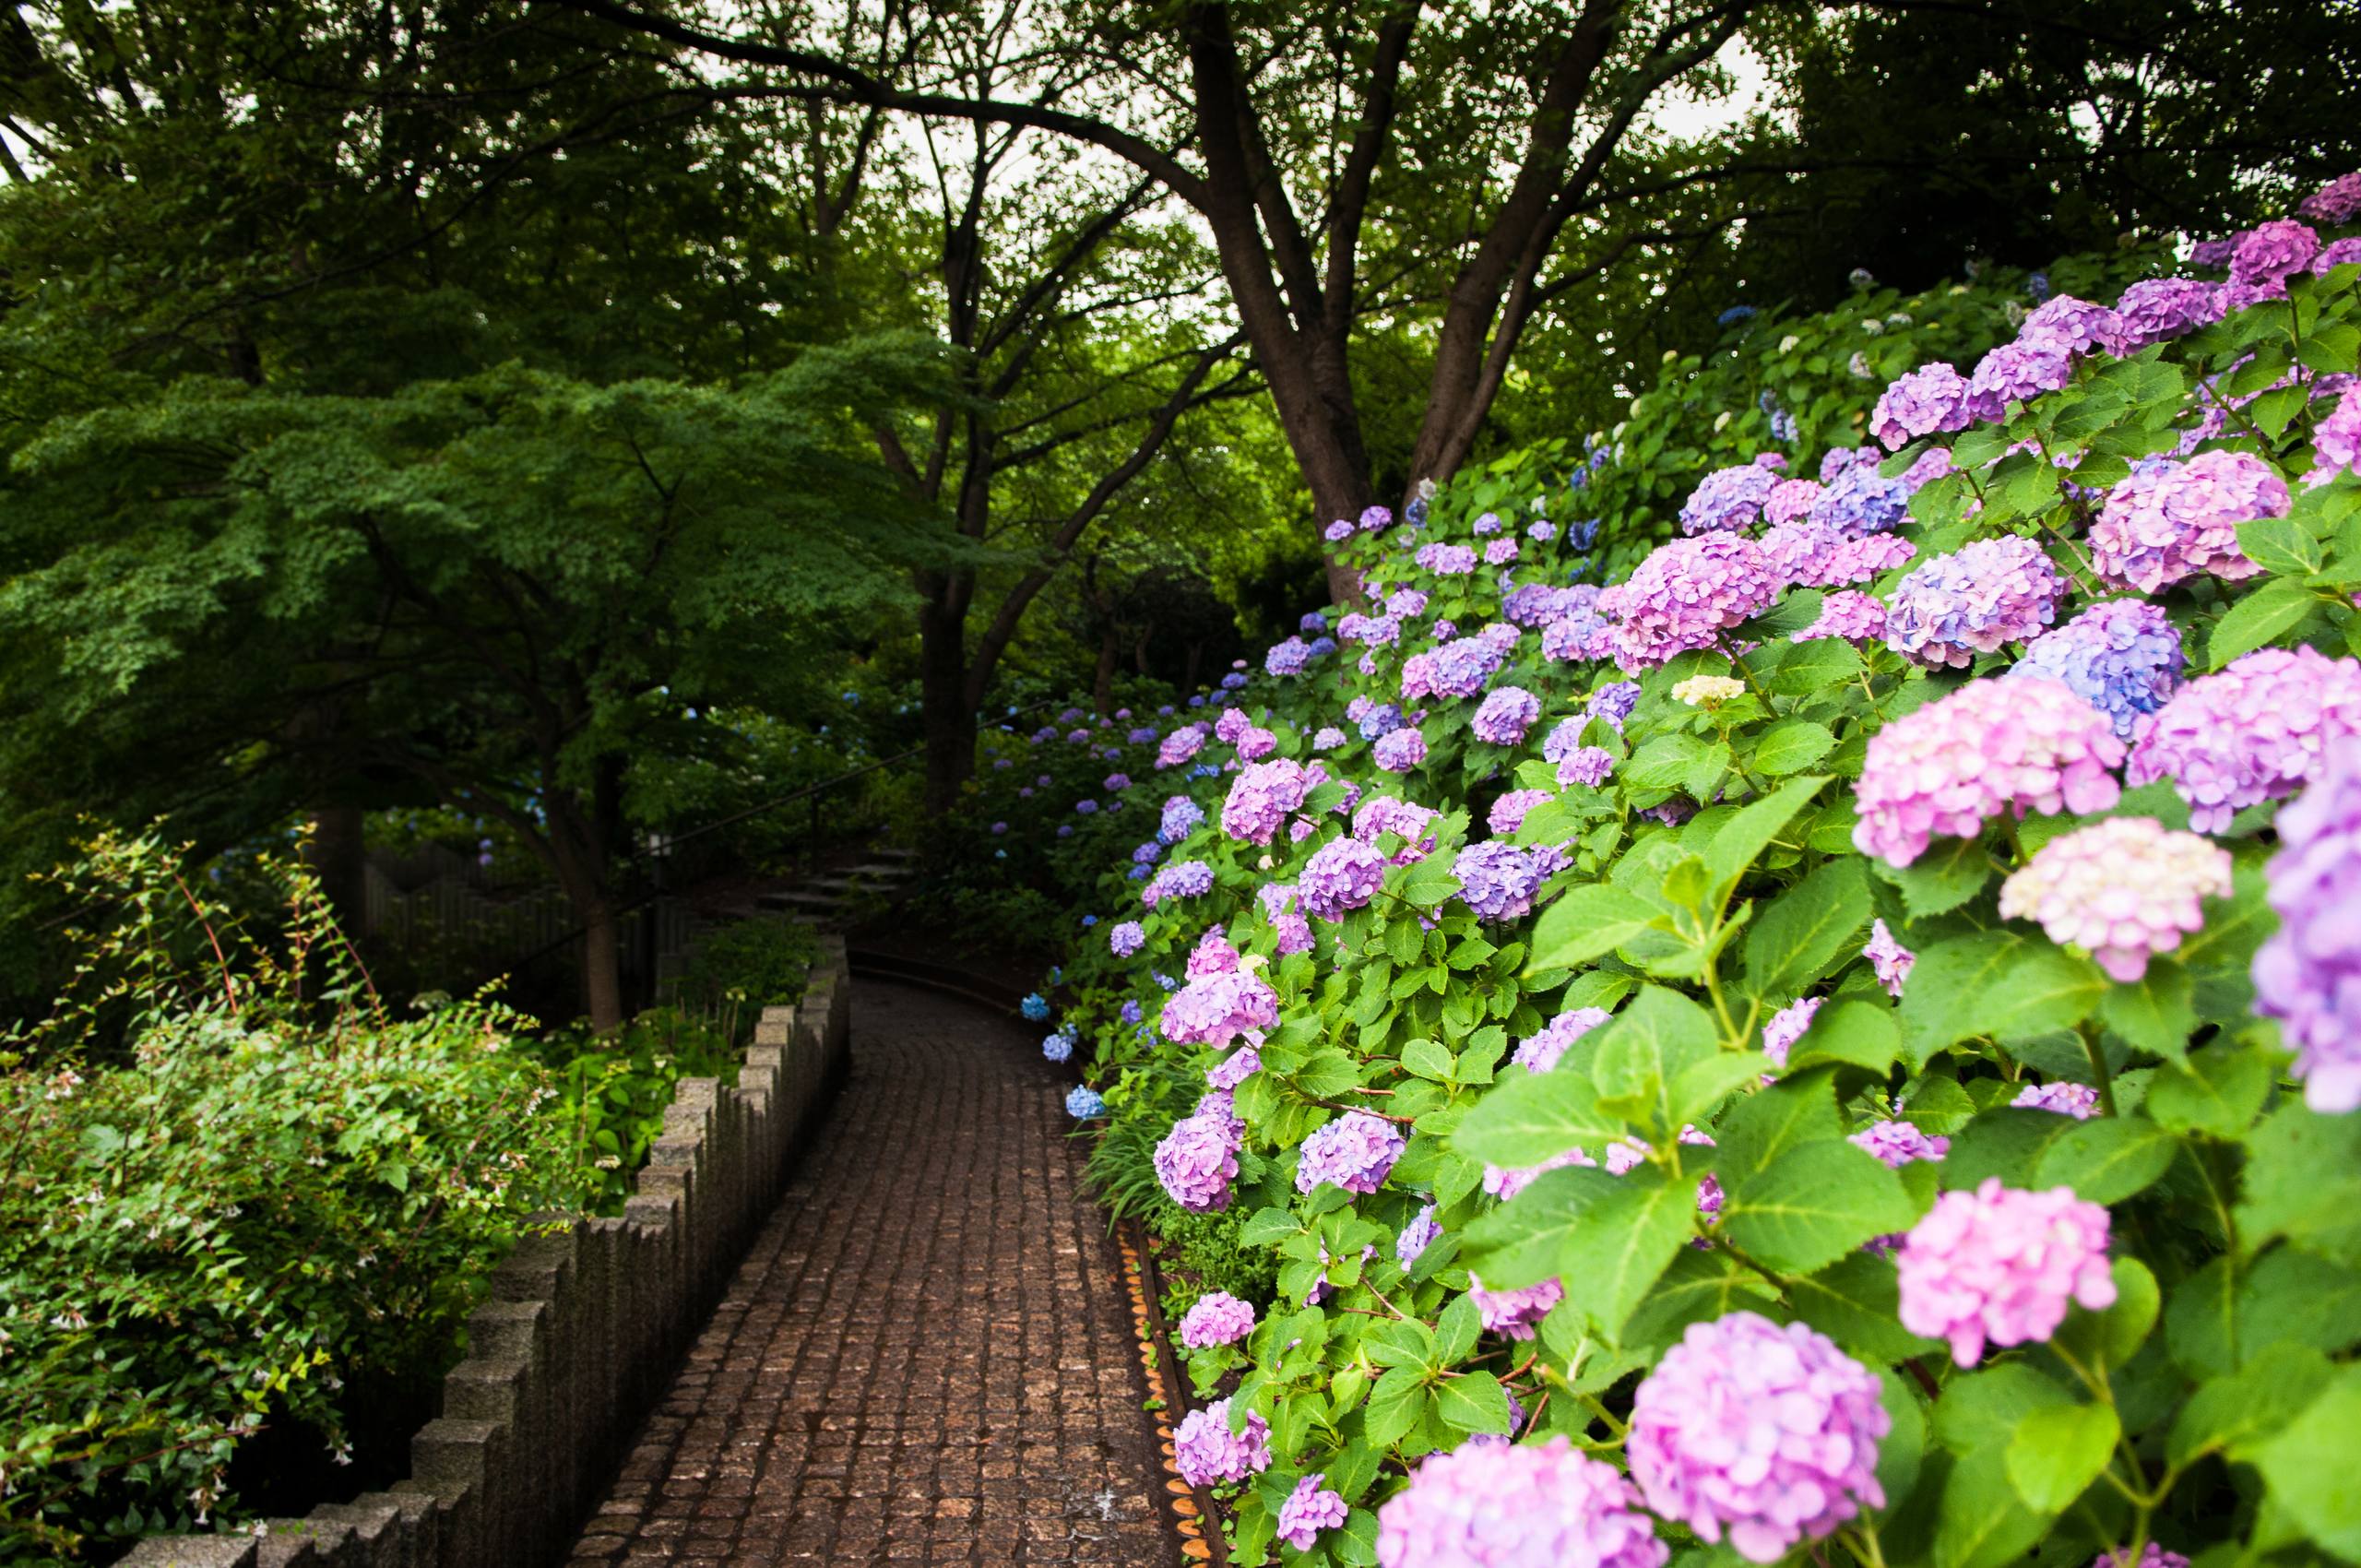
x,y
1194,1513
583,1323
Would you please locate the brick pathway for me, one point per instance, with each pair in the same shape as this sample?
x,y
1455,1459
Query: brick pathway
x,y
927,1357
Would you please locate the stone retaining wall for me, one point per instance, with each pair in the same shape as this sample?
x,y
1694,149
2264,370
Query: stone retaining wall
x,y
583,1328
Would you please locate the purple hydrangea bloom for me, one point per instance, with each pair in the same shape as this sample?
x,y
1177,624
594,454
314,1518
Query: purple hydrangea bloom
x,y
2016,373
2155,1556
1180,746
1280,908
1513,1313
1685,595
2075,327
1508,812
1727,498
2002,1266
2255,730
1992,746
2336,440
1581,634
2339,201
1216,1008
2160,309
1399,752
1179,819
1613,702
1235,1068
1488,1504
1889,959
1380,721
2123,657
2270,253
2079,1100
1899,1143
1764,1433
1540,1053
1311,1508
1786,1027
1262,798
1856,617
1500,553
1445,560
1353,1152
1217,1318
1375,520
1862,501
1405,603
1928,400
2167,521
1991,592
2336,254
1327,738
1287,657
1338,531
1458,669
1197,1162
1791,500
1205,1451
1342,875
1384,814
2308,974
1422,1232
1181,879
1507,713
1058,1048
1498,881
1587,765
1125,939
1487,525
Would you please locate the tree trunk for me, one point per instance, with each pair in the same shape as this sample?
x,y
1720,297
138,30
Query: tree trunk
x,y
1102,689
602,969
945,715
337,856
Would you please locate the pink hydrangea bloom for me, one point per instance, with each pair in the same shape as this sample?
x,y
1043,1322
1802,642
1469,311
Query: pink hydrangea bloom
x,y
1685,595
2157,309
1992,746
1400,752
1856,617
1206,1451
2269,253
2308,974
2336,440
1766,1434
1235,1068
1982,596
1217,1318
1311,1508
1342,875
1381,814
1499,881
1789,500
2254,731
2001,1266
1540,1053
1180,746
1812,553
1586,766
2153,1557
2121,889
1513,1313
2167,521
1889,959
1260,798
2079,1100
1508,812
1899,1143
1489,1504
1727,498
1216,1008
2339,201
1786,1027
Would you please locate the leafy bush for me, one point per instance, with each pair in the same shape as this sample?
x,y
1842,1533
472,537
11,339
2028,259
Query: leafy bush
x,y
736,971
612,1091
1842,1089
237,1191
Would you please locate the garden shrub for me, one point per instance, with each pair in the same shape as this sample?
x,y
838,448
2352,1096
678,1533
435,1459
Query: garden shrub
x,y
611,1091
238,1192
1843,1042
738,969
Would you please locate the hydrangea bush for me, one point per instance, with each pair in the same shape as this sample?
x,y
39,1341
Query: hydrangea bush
x,y
1795,1082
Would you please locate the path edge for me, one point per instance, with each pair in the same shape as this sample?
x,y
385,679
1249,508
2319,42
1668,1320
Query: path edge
x,y
582,1328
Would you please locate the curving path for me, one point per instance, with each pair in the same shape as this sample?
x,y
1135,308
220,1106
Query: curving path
x,y
927,1355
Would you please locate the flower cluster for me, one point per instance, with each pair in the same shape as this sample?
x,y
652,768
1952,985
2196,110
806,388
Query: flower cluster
x,y
2122,655
1728,499
1342,875
2122,890
1353,1152
1991,592
1262,798
1181,879
2167,521
1540,1053
1992,746
2254,731
1217,1318
2001,1266
1685,595
2308,974
1498,881
1766,1434
1487,1504
1506,713
1311,1508
1856,617
2061,1098
1205,1451
1197,1161
1930,399
1512,1314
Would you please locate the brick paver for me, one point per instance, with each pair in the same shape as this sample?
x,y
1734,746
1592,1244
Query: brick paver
x,y
927,1355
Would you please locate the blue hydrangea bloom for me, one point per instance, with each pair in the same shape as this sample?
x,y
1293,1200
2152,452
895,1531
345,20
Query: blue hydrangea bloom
x,y
1082,1102
1132,1012
1058,1048
1035,1007
2123,657
1380,721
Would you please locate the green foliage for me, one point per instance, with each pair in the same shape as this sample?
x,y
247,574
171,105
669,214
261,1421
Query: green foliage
x,y
238,1191
612,1091
735,972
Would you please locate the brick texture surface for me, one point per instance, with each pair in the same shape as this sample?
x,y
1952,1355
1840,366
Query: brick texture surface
x,y
927,1355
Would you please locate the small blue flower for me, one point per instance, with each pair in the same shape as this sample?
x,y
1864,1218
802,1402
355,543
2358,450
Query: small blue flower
x,y
1734,314
1089,921
1082,1102
1035,1007
1130,1012
1058,1048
